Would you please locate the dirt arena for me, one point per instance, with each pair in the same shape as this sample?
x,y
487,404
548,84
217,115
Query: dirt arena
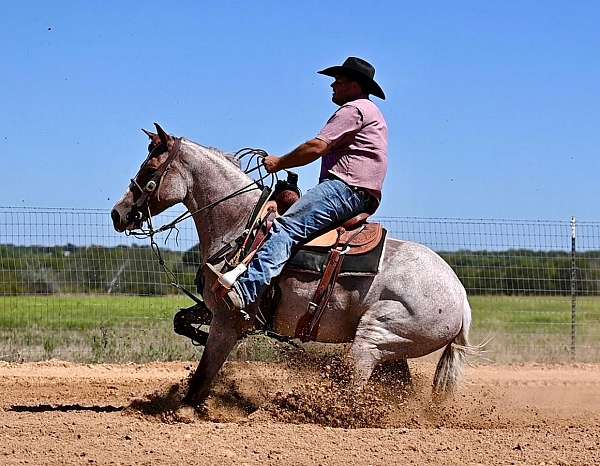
x,y
61,413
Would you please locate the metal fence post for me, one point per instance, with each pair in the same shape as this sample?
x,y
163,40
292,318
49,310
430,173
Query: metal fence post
x,y
573,285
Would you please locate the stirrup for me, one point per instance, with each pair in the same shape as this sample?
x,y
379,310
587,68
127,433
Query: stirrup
x,y
220,290
227,279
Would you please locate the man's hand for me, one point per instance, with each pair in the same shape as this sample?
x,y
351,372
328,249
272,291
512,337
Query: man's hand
x,y
301,155
271,163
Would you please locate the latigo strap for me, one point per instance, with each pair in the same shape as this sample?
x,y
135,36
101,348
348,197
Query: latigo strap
x,y
308,325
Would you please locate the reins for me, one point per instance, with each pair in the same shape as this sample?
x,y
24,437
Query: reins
x,y
254,155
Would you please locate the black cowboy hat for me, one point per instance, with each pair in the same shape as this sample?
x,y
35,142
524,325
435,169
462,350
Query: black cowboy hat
x,y
358,69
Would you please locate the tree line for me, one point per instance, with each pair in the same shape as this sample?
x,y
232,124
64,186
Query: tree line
x,y
523,271
92,269
136,270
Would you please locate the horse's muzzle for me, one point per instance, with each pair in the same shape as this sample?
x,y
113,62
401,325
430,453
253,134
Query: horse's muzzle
x,y
116,219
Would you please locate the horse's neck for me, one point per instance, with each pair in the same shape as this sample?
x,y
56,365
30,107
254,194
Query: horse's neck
x,y
213,178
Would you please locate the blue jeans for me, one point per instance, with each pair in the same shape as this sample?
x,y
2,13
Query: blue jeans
x,y
329,203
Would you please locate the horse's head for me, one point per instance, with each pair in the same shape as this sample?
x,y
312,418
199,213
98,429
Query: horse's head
x,y
158,185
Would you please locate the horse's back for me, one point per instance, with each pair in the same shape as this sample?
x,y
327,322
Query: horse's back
x,y
416,290
419,270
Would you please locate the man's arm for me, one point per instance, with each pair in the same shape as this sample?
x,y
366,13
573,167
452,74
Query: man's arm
x,y
301,155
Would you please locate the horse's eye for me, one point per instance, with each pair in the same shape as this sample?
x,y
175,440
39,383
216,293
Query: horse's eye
x,y
150,186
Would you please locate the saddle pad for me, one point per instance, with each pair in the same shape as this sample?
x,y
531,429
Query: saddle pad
x,y
360,264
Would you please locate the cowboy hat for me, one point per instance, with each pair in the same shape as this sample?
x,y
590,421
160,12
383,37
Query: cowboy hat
x,y
358,69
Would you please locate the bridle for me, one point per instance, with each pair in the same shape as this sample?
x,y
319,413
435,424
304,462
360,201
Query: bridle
x,y
140,211
142,205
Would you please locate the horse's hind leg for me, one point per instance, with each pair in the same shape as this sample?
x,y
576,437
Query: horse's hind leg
x,y
376,341
363,359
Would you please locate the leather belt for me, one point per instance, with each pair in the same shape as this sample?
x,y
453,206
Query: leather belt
x,y
372,201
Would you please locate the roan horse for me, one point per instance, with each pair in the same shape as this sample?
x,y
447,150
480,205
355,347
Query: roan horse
x,y
415,305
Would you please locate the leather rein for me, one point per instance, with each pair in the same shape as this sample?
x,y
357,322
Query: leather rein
x,y
152,186
141,206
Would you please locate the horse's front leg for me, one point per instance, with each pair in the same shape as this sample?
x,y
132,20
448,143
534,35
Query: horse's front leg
x,y
225,331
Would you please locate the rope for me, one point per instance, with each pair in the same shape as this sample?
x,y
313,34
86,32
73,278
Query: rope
x,y
254,155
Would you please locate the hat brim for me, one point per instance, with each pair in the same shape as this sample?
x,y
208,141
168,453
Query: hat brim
x,y
373,87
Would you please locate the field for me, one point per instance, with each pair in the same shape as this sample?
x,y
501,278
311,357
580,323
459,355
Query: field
x,y
273,405
61,413
119,328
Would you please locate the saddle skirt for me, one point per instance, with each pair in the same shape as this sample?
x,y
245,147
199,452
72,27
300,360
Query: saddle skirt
x,y
360,240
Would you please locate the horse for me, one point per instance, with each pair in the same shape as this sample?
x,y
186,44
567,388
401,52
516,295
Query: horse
x,y
413,306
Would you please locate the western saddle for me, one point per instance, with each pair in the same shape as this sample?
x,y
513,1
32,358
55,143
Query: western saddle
x,y
355,236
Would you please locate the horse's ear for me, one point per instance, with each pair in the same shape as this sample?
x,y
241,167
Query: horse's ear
x,y
164,137
150,134
154,140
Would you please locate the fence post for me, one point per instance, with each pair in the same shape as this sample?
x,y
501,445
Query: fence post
x,y
573,285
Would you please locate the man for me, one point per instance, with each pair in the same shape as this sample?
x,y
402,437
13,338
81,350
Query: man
x,y
353,151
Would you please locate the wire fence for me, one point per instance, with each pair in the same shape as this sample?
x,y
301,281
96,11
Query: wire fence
x,y
72,288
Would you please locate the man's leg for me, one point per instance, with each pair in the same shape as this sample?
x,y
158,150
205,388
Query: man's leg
x,y
329,203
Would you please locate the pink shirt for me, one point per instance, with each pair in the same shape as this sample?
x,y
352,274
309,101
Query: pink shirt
x,y
357,139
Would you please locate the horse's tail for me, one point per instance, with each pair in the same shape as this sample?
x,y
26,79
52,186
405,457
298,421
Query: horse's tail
x,y
449,370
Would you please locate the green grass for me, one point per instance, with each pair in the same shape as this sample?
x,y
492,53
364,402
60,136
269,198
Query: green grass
x,y
537,327
102,328
118,328
86,312
528,313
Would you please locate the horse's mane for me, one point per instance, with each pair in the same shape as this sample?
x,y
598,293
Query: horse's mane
x,y
215,150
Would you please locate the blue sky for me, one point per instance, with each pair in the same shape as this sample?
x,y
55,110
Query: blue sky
x,y
493,107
